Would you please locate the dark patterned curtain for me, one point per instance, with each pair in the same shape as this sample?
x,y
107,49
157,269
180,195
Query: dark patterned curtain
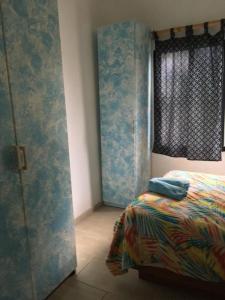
x,y
189,93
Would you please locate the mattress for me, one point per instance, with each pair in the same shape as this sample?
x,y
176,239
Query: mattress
x,y
186,237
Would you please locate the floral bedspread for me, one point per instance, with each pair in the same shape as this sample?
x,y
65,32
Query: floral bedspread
x,y
186,237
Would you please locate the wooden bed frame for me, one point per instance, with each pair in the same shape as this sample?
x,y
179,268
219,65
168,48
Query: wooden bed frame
x,y
169,278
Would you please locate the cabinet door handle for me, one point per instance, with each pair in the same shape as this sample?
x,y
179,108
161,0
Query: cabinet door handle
x,y
21,158
133,127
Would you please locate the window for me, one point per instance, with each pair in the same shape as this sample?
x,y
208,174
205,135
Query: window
x,y
188,96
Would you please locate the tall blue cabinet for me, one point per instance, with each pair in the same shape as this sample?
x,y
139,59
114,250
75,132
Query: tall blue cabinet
x,y
36,216
124,93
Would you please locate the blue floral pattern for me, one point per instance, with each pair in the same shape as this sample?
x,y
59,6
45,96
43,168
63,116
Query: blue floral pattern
x,y
34,57
123,53
15,279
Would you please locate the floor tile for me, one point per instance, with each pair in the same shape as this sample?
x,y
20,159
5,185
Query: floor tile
x,y
94,235
128,286
100,223
75,290
94,281
160,295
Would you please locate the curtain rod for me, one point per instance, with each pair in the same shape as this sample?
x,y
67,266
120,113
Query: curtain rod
x,y
181,28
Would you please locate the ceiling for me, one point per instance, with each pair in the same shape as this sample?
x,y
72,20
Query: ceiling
x,y
158,14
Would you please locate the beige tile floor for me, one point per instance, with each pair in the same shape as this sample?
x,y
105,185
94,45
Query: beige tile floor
x,y
93,280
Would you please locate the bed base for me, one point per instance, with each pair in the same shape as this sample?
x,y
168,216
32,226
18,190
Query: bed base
x,y
169,278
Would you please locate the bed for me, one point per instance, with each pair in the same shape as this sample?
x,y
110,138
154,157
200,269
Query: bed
x,y
185,239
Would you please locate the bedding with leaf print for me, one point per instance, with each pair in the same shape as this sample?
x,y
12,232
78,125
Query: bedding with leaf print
x,y
186,237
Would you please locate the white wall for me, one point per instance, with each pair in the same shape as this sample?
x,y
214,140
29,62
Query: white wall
x,y
163,14
162,164
80,94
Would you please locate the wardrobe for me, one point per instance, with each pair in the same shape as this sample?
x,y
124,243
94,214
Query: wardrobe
x,y
124,64
36,220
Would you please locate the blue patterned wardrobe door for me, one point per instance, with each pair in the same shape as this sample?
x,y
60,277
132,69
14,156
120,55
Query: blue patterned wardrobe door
x,y
123,58
15,277
117,94
33,46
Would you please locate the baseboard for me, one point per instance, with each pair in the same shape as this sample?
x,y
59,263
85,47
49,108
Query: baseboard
x,y
87,213
107,203
98,205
